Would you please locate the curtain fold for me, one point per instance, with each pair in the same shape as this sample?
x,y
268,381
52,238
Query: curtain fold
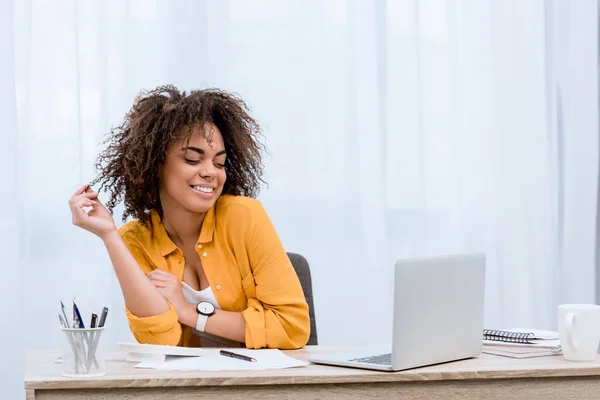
x,y
574,95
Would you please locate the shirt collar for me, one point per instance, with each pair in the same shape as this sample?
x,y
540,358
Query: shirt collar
x,y
208,225
164,242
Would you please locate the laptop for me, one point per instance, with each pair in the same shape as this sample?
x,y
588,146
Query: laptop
x,y
438,315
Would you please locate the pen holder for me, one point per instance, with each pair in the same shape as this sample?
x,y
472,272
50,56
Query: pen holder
x,y
82,357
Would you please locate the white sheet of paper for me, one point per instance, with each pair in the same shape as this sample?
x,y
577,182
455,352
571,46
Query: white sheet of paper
x,y
544,344
265,359
137,349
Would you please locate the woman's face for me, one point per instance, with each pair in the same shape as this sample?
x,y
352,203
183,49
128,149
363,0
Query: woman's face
x,y
193,174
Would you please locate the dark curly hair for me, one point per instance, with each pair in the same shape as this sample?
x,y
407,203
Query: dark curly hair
x,y
129,164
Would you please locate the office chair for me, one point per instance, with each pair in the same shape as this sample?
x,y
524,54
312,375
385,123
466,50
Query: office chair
x,y
303,271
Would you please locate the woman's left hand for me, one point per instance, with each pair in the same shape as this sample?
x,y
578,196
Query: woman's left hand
x,y
169,286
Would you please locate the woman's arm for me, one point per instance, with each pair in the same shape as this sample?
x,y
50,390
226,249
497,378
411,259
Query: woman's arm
x,y
227,324
141,297
277,313
151,318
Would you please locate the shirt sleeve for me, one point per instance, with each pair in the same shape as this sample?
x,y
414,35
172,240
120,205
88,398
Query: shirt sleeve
x,y
157,329
278,316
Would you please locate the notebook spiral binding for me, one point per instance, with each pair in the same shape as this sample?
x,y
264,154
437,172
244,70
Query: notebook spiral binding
x,y
508,337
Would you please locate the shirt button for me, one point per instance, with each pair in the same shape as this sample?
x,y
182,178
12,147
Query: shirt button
x,y
205,254
199,246
218,287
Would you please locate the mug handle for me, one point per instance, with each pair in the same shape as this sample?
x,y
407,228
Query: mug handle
x,y
569,321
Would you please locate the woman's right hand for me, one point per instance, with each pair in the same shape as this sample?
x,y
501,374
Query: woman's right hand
x,y
98,220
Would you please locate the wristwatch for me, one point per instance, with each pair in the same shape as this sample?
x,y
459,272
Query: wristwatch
x,y
205,309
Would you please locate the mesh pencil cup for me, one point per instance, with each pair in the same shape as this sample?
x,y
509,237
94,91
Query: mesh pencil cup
x,y
82,355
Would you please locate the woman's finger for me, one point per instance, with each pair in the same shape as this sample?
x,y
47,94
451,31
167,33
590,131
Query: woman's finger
x,y
157,278
159,284
78,215
84,196
90,195
164,274
77,210
155,275
160,272
84,203
81,190
152,273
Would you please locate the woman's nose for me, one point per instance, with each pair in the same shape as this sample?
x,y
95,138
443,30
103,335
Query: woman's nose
x,y
208,169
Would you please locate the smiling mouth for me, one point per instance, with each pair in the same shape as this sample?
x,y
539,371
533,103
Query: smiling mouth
x,y
203,189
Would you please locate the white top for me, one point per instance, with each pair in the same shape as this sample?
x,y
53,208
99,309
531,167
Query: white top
x,y
196,296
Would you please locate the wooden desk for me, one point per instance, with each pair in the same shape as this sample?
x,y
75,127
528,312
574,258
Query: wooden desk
x,y
486,377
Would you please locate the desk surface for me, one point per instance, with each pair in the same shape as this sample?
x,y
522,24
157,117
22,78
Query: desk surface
x,y
42,373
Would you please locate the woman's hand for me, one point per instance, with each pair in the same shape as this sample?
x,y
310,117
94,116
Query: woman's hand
x,y
98,220
169,286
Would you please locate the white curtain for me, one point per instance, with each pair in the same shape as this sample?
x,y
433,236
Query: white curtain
x,y
12,325
395,128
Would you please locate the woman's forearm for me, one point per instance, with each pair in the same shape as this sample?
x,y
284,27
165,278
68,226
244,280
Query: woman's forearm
x,y
141,297
227,324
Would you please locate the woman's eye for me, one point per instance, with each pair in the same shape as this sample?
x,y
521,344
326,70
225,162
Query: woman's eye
x,y
220,165
191,161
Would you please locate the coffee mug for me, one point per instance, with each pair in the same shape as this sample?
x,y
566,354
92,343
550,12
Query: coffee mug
x,y
579,331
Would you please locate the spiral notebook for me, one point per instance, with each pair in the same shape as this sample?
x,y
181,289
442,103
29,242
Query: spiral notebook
x,y
521,343
530,337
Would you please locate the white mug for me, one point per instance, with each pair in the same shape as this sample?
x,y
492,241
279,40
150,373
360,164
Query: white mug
x,y
579,331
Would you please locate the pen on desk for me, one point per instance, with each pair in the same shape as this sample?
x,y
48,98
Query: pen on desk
x,y
62,306
94,320
103,317
77,317
238,356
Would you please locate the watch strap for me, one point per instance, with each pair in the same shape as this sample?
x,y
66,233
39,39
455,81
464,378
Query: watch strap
x,y
201,322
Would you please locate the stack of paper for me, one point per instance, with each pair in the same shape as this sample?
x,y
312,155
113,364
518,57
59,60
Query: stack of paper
x,y
544,343
185,358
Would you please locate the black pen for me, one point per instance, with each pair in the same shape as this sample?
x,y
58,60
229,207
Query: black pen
x,y
103,317
238,356
94,320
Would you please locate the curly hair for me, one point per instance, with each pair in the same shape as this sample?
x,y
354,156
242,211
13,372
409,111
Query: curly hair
x,y
159,118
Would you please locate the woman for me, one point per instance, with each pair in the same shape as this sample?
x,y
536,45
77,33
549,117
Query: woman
x,y
200,256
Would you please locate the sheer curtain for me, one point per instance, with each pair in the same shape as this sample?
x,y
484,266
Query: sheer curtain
x,y
395,128
10,294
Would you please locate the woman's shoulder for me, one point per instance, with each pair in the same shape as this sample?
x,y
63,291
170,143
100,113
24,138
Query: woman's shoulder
x,y
228,200
239,207
135,230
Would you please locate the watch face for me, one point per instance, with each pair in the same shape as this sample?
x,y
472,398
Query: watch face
x,y
205,308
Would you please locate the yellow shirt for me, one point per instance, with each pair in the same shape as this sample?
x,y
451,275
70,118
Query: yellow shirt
x,y
247,269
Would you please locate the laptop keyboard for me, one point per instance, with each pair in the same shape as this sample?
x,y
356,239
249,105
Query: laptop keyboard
x,y
383,359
